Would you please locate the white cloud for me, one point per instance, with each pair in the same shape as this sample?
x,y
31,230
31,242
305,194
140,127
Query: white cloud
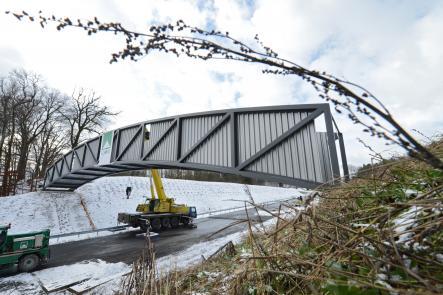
x,y
391,47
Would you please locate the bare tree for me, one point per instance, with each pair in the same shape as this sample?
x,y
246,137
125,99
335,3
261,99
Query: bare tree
x,y
50,143
178,38
35,121
48,147
39,108
8,93
11,101
85,115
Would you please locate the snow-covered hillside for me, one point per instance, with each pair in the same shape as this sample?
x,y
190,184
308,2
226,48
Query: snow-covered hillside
x,y
60,212
105,197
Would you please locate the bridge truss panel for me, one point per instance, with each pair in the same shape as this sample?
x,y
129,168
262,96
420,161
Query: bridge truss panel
x,y
278,143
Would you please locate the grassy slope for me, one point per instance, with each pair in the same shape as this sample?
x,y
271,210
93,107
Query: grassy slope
x,y
380,233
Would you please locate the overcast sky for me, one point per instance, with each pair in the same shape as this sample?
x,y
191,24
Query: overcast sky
x,y
392,48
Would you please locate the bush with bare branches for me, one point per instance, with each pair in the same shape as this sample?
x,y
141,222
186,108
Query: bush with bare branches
x,y
381,233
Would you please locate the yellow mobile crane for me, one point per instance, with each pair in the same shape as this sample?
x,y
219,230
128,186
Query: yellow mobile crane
x,y
159,212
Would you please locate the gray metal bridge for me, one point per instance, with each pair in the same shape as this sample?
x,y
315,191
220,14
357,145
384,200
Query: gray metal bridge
x,y
278,143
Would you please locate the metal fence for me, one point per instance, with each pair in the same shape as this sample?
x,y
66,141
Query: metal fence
x,y
278,143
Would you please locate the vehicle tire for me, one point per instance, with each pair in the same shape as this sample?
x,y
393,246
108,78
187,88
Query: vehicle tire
x,y
185,220
166,223
156,224
175,222
28,263
144,227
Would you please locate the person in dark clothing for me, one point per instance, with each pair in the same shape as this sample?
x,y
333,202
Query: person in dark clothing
x,y
128,191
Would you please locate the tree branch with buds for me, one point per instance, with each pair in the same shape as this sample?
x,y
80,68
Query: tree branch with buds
x,y
180,39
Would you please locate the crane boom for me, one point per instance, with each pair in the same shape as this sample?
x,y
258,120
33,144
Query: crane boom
x,y
158,184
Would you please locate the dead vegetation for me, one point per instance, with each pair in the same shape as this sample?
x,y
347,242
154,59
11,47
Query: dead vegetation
x,y
380,233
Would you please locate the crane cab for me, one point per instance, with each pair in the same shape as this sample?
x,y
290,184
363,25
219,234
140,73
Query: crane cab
x,y
192,212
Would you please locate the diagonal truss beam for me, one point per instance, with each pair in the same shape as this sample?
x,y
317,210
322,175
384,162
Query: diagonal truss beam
x,y
69,165
155,145
281,138
205,137
131,141
88,147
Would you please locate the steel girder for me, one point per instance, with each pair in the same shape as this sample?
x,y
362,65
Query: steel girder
x,y
277,143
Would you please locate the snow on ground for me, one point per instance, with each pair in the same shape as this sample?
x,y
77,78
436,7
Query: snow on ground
x,y
105,198
79,277
87,275
60,212
193,255
404,222
84,275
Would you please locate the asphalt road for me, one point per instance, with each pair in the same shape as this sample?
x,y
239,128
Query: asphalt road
x,y
127,247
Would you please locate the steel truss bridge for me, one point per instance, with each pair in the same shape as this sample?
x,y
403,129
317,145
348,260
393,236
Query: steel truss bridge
x,y
277,143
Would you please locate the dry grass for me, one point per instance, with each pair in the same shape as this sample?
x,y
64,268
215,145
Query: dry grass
x,y
380,233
